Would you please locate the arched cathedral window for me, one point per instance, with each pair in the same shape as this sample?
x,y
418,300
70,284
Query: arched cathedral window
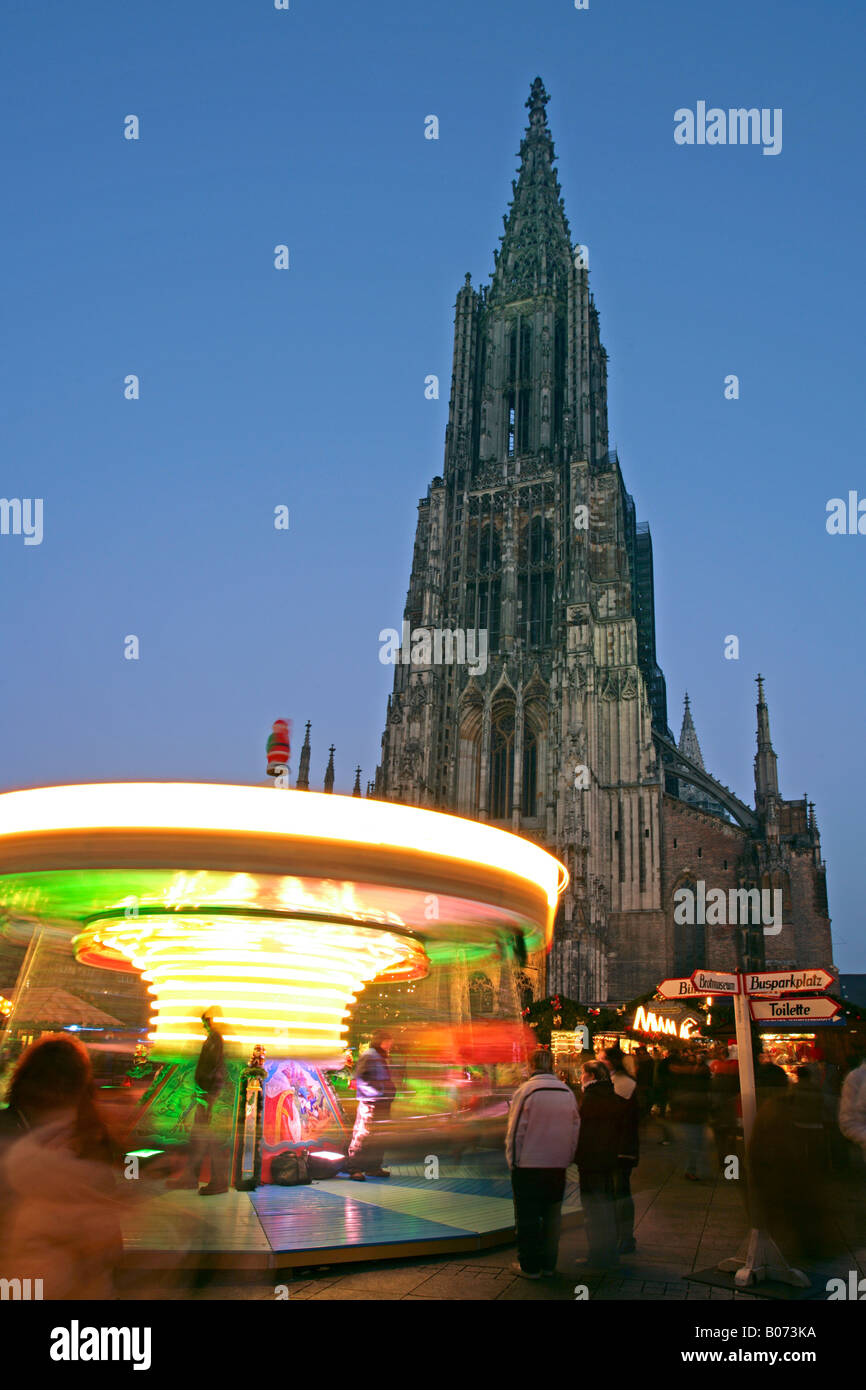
x,y
502,765
524,989
525,351
480,995
535,579
530,773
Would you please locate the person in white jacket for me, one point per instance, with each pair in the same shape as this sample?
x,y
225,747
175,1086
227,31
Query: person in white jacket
x,y
540,1143
852,1107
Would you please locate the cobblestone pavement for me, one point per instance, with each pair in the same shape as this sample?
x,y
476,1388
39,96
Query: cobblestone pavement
x,y
680,1227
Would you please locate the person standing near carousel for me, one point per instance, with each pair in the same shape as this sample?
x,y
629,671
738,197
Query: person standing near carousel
x,y
209,1137
375,1090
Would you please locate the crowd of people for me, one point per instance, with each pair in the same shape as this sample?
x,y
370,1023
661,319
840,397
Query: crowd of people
x,y
798,1141
60,1200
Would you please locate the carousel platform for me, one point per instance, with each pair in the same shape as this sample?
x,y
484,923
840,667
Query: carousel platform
x,y
335,1221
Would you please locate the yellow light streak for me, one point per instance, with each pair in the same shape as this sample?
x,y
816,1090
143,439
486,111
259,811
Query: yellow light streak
x,y
301,815
294,1000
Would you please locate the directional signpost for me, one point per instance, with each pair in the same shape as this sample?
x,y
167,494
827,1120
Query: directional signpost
x,y
797,1009
758,995
759,1257
681,988
715,982
773,982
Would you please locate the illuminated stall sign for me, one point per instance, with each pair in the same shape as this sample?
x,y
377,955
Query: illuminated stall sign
x,y
666,1020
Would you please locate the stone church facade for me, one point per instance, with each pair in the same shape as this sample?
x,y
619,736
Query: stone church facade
x,y
560,734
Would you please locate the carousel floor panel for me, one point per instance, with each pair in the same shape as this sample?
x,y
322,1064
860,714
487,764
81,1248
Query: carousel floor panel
x,y
182,1227
325,1215
333,1221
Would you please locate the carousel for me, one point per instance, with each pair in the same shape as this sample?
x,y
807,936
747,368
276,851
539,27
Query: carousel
x,y
295,915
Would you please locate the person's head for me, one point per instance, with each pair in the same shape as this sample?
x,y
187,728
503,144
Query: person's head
x,y
592,1073
212,1020
804,1077
613,1058
54,1073
542,1060
382,1040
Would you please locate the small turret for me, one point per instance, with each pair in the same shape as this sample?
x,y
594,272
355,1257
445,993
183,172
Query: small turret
x,y
688,744
303,784
766,771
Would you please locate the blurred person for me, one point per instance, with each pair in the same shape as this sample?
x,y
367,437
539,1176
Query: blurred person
x,y
725,1101
375,1090
540,1143
60,1205
644,1071
852,1107
690,1107
769,1077
661,1091
627,1088
789,1170
602,1139
209,1138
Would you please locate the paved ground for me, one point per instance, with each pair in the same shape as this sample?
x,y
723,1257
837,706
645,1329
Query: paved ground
x,y
681,1227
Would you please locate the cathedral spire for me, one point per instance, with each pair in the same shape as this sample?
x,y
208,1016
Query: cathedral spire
x,y
688,744
535,256
329,771
766,772
356,790
303,782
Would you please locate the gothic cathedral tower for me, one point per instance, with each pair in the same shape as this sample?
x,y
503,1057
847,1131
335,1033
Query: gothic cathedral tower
x,y
530,538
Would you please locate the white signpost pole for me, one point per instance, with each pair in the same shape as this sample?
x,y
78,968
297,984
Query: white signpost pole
x,y
759,1257
746,1060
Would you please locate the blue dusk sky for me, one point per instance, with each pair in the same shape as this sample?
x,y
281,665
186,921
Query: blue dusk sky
x,y
305,387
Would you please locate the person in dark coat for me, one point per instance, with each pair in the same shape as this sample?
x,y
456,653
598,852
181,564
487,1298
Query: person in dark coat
x,y
604,1118
375,1089
626,1087
789,1170
209,1138
643,1075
